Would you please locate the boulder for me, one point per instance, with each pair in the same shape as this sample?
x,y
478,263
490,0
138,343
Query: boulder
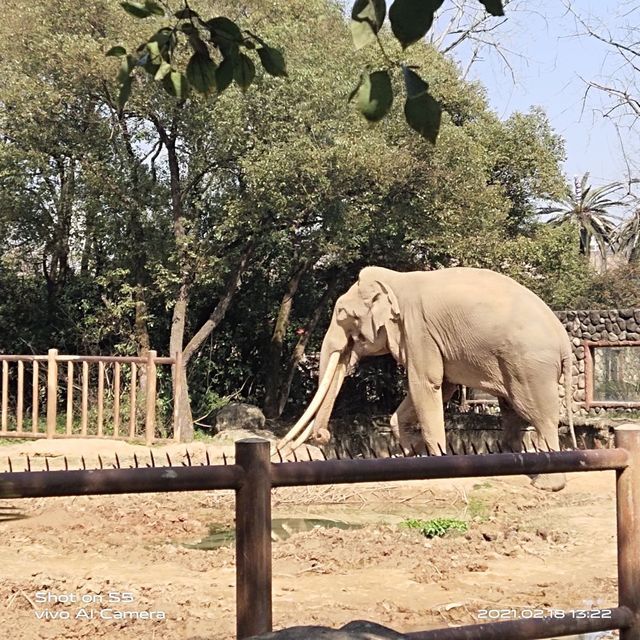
x,y
239,415
358,630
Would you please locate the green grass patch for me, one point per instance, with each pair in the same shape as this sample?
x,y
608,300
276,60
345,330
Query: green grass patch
x,y
437,527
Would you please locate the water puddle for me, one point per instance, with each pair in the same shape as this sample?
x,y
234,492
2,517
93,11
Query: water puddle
x,y
281,529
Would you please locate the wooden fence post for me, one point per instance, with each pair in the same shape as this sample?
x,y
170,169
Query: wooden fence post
x,y
5,396
177,377
20,397
253,539
150,419
627,436
52,391
35,398
69,398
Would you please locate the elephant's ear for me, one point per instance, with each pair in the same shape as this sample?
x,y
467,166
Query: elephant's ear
x,y
383,308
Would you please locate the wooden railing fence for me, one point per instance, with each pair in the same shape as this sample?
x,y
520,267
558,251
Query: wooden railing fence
x,y
254,475
57,396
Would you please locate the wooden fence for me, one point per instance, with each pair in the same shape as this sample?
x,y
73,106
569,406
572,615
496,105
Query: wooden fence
x,y
58,396
253,476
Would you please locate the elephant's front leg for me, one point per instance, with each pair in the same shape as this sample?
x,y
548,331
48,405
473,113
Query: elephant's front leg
x,y
425,389
403,426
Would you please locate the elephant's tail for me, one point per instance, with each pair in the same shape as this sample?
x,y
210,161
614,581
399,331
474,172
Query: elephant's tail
x,y
568,393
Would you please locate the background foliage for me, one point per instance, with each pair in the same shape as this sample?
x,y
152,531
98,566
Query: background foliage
x,y
271,198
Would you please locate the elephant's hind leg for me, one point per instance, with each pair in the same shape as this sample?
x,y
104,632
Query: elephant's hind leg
x,y
513,424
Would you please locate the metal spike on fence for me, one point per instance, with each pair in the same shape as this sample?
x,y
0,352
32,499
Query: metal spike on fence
x,y
135,460
100,462
548,445
453,451
169,460
28,464
153,462
295,457
524,446
389,450
323,452
349,454
464,447
473,448
46,463
279,454
224,458
442,453
84,464
206,455
10,465
66,464
535,448
372,451
335,448
117,461
500,447
414,450
486,444
309,455
186,453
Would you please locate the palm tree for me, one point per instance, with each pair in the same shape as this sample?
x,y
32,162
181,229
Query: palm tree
x,y
588,208
627,239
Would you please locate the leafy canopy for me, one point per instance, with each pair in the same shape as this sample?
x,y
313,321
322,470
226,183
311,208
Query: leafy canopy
x,y
219,51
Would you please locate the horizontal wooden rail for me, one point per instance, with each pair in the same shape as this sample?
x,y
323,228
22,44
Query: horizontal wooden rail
x,y
461,466
550,627
71,358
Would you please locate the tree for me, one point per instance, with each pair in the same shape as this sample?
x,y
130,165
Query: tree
x,y
627,237
589,209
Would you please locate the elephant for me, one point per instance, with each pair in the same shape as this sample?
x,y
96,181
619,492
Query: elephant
x,y
448,327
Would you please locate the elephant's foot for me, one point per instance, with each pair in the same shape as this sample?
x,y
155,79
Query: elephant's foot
x,y
549,481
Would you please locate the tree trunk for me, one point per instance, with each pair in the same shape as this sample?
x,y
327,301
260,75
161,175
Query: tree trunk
x,y
298,351
273,372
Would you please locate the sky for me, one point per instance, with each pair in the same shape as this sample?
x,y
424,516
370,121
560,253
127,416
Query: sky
x,y
551,59
551,63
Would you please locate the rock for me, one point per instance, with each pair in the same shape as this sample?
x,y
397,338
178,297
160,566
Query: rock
x,y
238,415
357,630
625,313
612,337
608,325
636,315
632,325
613,314
622,324
561,315
594,317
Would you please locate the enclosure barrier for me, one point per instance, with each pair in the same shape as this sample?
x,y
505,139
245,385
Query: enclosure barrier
x,y
254,475
131,380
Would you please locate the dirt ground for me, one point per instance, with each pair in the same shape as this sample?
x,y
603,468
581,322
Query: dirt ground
x,y
70,567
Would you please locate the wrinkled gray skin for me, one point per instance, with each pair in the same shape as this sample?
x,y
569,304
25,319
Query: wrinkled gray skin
x,y
448,327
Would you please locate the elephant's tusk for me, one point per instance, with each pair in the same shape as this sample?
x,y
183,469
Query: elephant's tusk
x,y
314,405
336,383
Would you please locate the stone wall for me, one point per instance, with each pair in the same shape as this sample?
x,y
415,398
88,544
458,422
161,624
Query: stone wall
x,y
609,326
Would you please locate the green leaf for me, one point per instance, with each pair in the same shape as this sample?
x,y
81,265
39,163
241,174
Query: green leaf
x,y
116,51
494,7
136,9
224,74
186,14
244,71
367,17
375,95
201,72
411,19
126,67
175,84
155,57
125,92
153,7
223,29
423,114
413,83
272,61
163,71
